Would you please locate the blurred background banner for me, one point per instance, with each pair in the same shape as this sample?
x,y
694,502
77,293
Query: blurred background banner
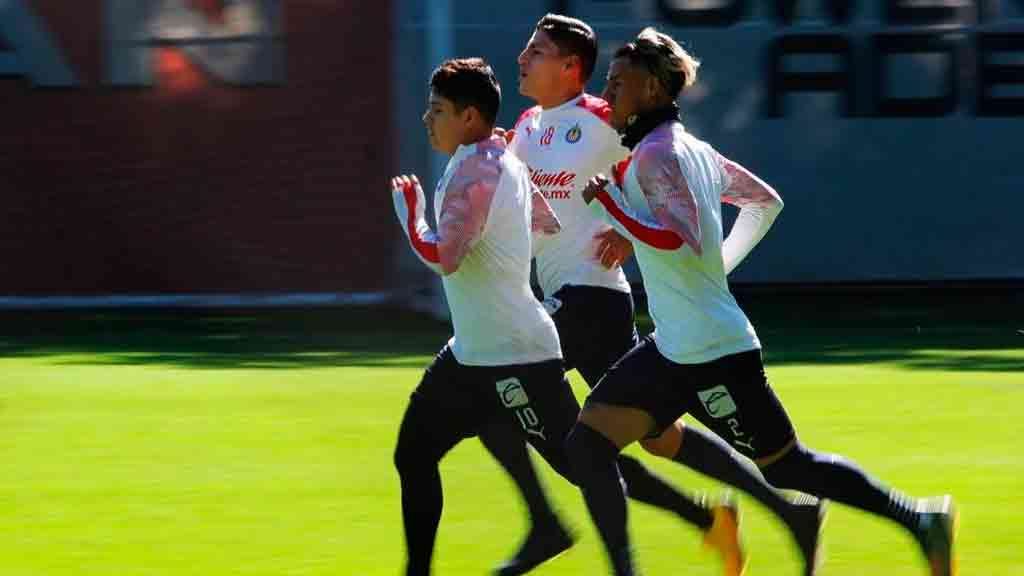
x,y
900,167
214,151
195,151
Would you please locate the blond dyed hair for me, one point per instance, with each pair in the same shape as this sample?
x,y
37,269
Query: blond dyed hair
x,y
664,58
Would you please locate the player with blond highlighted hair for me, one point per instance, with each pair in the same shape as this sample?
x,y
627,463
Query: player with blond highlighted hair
x,y
704,357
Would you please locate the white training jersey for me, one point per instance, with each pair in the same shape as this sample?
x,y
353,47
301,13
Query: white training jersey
x,y
564,147
485,208
667,201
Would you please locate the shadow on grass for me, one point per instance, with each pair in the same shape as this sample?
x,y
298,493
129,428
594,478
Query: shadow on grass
x,y
933,331
996,352
978,330
262,339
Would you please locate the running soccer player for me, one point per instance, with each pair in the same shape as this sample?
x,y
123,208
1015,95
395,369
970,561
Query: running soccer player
x,y
704,356
565,140
504,361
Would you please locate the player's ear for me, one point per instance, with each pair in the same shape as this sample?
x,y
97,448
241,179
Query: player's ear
x,y
573,61
652,88
468,115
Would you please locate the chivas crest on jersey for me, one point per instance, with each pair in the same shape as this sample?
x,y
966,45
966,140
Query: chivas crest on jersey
x,y
574,134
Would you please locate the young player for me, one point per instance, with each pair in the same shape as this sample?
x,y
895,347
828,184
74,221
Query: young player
x,y
504,361
704,355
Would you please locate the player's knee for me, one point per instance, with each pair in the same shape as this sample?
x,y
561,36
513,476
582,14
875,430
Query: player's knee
x,y
401,458
408,456
667,444
588,451
791,470
654,446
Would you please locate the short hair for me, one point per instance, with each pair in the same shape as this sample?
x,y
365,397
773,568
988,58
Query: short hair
x,y
573,38
663,57
468,82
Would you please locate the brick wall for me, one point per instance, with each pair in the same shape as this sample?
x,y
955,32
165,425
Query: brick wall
x,y
195,186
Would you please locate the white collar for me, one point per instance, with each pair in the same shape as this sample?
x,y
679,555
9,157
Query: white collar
x,y
567,105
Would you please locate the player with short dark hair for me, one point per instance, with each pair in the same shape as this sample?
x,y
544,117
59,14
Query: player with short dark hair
x,y
504,362
468,82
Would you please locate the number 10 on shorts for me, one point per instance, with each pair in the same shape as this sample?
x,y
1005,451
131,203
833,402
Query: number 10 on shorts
x,y
513,396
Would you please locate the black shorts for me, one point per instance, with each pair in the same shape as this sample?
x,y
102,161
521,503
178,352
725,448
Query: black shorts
x,y
595,326
730,395
456,401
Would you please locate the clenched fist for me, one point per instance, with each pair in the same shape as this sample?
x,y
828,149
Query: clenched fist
x,y
594,185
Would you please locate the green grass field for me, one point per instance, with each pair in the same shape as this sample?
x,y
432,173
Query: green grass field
x,y
261,442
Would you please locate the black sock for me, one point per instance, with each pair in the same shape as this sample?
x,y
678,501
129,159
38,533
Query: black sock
x,y
644,486
508,448
417,455
706,453
836,478
592,458
421,510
